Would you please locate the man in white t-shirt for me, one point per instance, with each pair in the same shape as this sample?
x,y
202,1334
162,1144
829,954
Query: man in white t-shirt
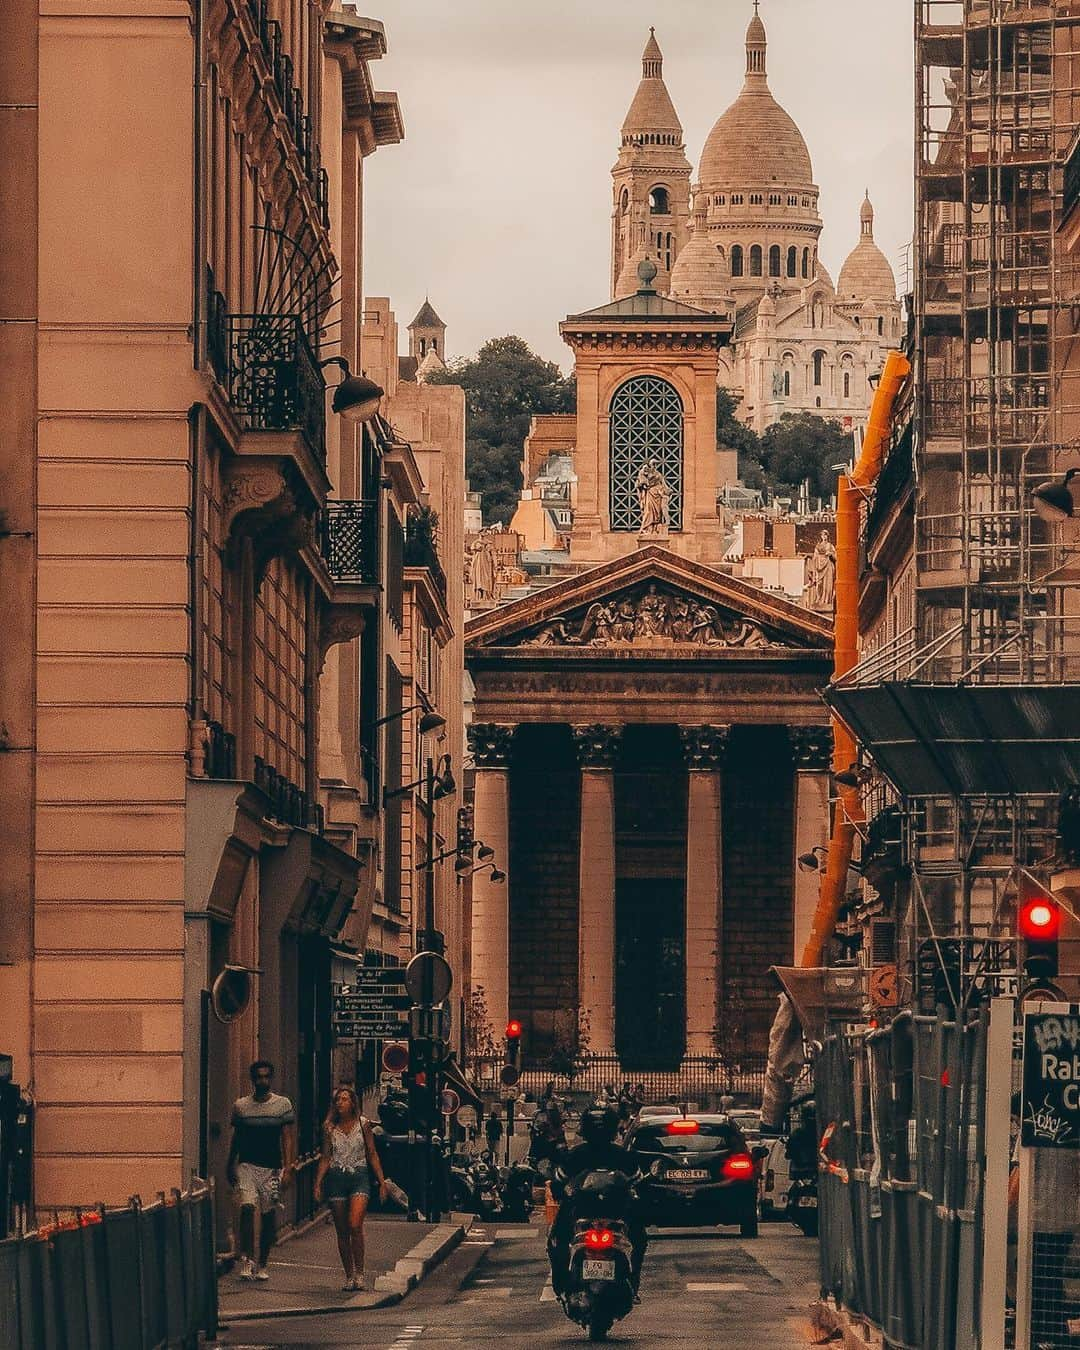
x,y
261,1159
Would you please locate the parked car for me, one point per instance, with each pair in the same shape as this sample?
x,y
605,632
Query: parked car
x,y
775,1180
695,1170
661,1109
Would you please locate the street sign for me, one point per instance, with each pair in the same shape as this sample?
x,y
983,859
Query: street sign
x,y
1050,1098
449,1101
374,1007
509,1074
428,978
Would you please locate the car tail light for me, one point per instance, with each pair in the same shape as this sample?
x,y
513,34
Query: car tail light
x,y
738,1167
683,1126
599,1238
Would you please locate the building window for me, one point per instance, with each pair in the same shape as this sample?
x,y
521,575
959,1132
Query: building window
x,y
774,260
755,199
881,327
736,199
792,261
774,199
787,383
755,260
805,263
659,204
819,364
792,201
736,260
847,383
646,428
719,199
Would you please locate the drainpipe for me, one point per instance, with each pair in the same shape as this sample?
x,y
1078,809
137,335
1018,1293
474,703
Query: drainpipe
x,y
851,489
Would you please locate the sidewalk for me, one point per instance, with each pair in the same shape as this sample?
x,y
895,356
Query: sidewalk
x,y
306,1274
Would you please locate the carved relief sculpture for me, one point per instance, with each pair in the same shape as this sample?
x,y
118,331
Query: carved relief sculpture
x,y
811,748
596,744
489,744
653,495
651,617
704,747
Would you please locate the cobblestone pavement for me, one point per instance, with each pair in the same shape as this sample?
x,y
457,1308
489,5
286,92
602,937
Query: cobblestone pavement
x,y
701,1289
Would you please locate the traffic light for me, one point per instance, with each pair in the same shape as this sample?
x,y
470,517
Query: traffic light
x,y
1039,924
513,1044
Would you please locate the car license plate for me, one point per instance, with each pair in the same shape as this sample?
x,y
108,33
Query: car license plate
x,y
688,1174
597,1270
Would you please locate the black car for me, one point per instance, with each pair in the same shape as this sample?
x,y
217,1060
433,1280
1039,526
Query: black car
x,y
696,1170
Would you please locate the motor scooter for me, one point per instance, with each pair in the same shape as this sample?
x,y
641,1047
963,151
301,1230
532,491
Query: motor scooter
x,y
597,1288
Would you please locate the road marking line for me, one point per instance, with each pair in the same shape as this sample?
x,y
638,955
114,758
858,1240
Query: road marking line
x,y
717,1288
520,1231
547,1294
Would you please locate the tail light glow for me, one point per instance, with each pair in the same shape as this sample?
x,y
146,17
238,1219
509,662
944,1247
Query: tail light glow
x,y
598,1239
683,1126
738,1166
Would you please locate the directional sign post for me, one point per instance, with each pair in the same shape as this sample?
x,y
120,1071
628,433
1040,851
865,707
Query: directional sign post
x,y
375,1007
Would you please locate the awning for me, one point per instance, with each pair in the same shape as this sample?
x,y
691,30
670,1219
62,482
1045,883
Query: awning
x,y
455,1078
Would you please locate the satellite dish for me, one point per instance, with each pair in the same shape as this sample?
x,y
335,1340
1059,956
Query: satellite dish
x,y
230,993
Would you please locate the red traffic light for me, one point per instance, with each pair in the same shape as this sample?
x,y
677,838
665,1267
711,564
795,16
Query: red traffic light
x,y
1040,919
513,1031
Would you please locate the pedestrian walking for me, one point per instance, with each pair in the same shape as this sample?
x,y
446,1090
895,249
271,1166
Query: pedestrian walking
x,y
493,1128
348,1162
262,1158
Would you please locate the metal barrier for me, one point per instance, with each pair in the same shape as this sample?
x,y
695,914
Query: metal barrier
x,y
134,1278
901,1114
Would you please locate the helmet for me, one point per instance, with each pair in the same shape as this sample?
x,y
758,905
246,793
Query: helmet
x,y
599,1125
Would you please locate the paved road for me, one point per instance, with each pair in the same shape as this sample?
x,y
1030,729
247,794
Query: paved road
x,y
700,1290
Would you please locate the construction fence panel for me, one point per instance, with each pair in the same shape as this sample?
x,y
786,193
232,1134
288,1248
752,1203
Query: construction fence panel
x,y
900,1210
132,1278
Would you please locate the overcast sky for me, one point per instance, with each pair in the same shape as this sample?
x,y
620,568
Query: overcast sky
x,y
497,203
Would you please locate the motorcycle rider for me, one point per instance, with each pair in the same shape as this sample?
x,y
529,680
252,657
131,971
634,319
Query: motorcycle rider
x,y
597,1152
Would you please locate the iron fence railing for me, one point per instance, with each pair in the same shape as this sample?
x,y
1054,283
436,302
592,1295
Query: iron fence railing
x,y
349,536
275,383
421,550
699,1078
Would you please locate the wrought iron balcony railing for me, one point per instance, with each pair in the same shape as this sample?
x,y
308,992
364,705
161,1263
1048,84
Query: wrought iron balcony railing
x,y
349,535
421,550
274,380
288,803
217,328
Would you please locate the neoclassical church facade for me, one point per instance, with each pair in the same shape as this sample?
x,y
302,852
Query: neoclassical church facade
x,y
744,235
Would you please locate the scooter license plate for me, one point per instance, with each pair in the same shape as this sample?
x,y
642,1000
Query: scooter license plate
x,y
597,1270
808,1201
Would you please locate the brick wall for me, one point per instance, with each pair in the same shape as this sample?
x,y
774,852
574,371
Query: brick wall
x,y
758,881
544,825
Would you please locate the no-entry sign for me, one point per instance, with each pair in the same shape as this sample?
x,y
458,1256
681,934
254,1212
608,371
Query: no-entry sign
x,y
1050,1102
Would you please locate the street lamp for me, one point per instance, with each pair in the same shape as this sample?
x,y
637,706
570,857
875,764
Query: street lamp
x,y
1053,500
356,398
812,860
431,721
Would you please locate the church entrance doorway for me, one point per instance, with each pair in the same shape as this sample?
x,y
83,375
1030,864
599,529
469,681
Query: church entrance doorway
x,y
650,899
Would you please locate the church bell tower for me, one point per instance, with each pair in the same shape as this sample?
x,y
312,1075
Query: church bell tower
x,y
650,181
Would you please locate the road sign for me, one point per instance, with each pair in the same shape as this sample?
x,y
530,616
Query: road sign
x,y
509,1074
428,978
374,1007
1050,1099
449,1101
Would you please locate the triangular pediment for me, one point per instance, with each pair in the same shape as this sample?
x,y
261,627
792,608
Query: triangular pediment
x,y
651,600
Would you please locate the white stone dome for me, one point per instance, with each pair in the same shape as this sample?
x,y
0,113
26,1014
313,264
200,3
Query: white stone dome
x,y
866,273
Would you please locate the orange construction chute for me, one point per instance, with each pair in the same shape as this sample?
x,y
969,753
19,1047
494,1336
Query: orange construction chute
x,y
851,490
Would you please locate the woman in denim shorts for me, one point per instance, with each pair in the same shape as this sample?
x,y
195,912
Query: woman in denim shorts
x,y
343,1178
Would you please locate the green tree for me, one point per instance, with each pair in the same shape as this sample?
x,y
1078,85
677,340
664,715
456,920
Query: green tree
x,y
804,446
506,384
731,434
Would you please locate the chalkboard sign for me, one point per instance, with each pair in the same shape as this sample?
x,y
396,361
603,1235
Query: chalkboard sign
x,y
1050,1102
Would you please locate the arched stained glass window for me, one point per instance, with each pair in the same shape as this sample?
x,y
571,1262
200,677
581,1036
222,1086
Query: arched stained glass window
x,y
646,428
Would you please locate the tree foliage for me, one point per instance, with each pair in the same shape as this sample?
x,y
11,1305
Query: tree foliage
x,y
804,446
506,384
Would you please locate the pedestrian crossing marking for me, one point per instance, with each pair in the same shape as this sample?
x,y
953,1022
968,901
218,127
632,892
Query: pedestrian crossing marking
x,y
518,1231
547,1294
717,1288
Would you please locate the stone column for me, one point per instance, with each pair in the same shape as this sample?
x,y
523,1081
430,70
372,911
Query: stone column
x,y
489,745
596,749
812,750
704,748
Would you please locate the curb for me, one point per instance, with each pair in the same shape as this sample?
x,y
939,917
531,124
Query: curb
x,y
392,1287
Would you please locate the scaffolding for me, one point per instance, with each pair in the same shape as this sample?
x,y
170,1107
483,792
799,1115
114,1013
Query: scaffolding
x,y
996,361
